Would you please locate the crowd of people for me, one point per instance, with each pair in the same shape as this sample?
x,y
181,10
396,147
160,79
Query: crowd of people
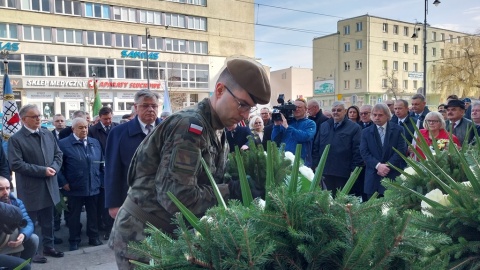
x,y
120,173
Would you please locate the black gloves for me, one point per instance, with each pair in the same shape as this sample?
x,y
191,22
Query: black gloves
x,y
236,192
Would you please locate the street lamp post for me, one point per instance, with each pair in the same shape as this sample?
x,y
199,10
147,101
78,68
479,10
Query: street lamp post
x,y
436,3
147,37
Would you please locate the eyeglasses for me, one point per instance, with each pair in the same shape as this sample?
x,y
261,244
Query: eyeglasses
x,y
241,106
364,113
146,106
33,116
433,121
337,110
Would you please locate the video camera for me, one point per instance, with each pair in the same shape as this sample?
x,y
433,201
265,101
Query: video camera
x,y
284,108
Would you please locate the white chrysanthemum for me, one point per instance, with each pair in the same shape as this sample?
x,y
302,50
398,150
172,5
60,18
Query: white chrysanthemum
x,y
307,172
467,184
208,219
261,203
385,209
410,171
437,196
290,156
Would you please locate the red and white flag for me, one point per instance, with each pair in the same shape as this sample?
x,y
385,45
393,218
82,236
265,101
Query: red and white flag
x,y
11,118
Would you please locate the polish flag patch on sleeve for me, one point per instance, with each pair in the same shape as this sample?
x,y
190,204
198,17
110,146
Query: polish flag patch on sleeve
x,y
195,129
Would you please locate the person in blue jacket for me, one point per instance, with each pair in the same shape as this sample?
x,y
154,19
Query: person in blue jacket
x,y
25,237
299,130
80,179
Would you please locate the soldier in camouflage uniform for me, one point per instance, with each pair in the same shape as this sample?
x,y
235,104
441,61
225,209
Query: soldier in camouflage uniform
x,y
169,158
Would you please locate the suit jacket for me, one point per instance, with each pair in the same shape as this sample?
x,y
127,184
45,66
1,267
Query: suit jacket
x,y
407,124
267,135
421,118
462,130
238,136
373,153
29,159
364,125
54,132
122,142
65,132
98,132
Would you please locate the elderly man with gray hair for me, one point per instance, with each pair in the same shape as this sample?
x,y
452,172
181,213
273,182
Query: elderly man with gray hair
x,y
377,149
343,136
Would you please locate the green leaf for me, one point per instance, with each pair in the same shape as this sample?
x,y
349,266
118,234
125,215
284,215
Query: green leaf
x,y
220,199
296,166
247,197
20,267
319,171
351,180
189,216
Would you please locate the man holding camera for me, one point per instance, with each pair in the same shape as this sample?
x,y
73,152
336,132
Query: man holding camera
x,y
298,130
15,225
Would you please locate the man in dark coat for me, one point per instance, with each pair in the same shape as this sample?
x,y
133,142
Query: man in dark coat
x,y
315,114
365,119
35,158
122,142
80,179
100,132
68,130
59,123
402,118
419,109
376,148
237,136
343,136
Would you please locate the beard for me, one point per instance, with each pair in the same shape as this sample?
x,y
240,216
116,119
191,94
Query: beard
x,y
5,199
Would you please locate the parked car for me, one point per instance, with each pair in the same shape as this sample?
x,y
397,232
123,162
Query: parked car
x,y
48,124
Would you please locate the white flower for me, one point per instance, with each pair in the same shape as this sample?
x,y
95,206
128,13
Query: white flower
x,y
467,184
261,203
437,196
208,219
385,209
410,171
290,156
307,172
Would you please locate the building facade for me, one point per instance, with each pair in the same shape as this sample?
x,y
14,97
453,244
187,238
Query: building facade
x,y
292,82
371,59
55,47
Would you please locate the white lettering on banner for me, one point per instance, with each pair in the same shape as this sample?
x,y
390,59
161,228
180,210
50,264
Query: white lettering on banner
x,y
57,83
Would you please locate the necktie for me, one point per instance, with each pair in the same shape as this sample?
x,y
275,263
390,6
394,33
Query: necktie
x,y
400,122
454,125
148,128
335,126
107,129
381,132
84,143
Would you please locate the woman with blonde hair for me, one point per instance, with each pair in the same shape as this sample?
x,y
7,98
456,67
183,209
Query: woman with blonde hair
x,y
256,125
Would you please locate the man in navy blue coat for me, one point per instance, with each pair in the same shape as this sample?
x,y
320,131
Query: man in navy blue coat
x,y
80,180
122,142
237,136
376,148
402,118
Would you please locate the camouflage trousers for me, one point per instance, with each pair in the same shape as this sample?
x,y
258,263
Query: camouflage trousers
x,y
126,229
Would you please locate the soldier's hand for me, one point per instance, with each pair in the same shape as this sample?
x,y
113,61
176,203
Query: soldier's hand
x,y
113,212
50,172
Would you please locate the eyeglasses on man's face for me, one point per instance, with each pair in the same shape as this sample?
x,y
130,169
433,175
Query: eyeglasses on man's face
x,y
146,106
34,116
364,113
242,107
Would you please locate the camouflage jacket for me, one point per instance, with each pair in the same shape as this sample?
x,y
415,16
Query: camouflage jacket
x,y
169,160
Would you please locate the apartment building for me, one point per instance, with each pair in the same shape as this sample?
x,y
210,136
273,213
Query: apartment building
x,y
371,59
56,46
293,82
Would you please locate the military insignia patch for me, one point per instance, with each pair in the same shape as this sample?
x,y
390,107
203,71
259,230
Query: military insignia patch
x,y
184,160
195,129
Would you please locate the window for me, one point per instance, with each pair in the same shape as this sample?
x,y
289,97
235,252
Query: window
x,y
175,45
385,45
405,66
39,65
359,44
103,68
395,29
97,11
187,75
415,49
14,65
7,3
37,33
395,46
442,53
405,84
198,47
150,17
434,36
434,69
129,69
450,53
359,26
358,83
450,37
384,83
385,27
434,52
358,64
69,36
385,64
72,67
415,67
191,2
415,84
395,65
99,38
459,39
346,66
67,7
346,30
346,46
395,83
442,37
38,5
405,31
197,23
8,30
405,48
126,41
346,84
154,43
125,14
175,20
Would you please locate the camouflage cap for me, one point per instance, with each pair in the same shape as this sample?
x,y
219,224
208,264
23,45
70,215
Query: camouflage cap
x,y
251,76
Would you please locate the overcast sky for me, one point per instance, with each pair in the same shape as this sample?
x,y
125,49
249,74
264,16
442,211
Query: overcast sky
x,y
280,48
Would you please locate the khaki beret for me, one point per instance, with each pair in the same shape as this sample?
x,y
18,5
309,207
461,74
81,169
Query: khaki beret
x,y
251,76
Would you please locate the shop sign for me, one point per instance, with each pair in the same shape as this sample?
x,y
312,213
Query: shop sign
x,y
71,95
55,83
105,95
9,46
135,85
40,95
126,95
139,55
